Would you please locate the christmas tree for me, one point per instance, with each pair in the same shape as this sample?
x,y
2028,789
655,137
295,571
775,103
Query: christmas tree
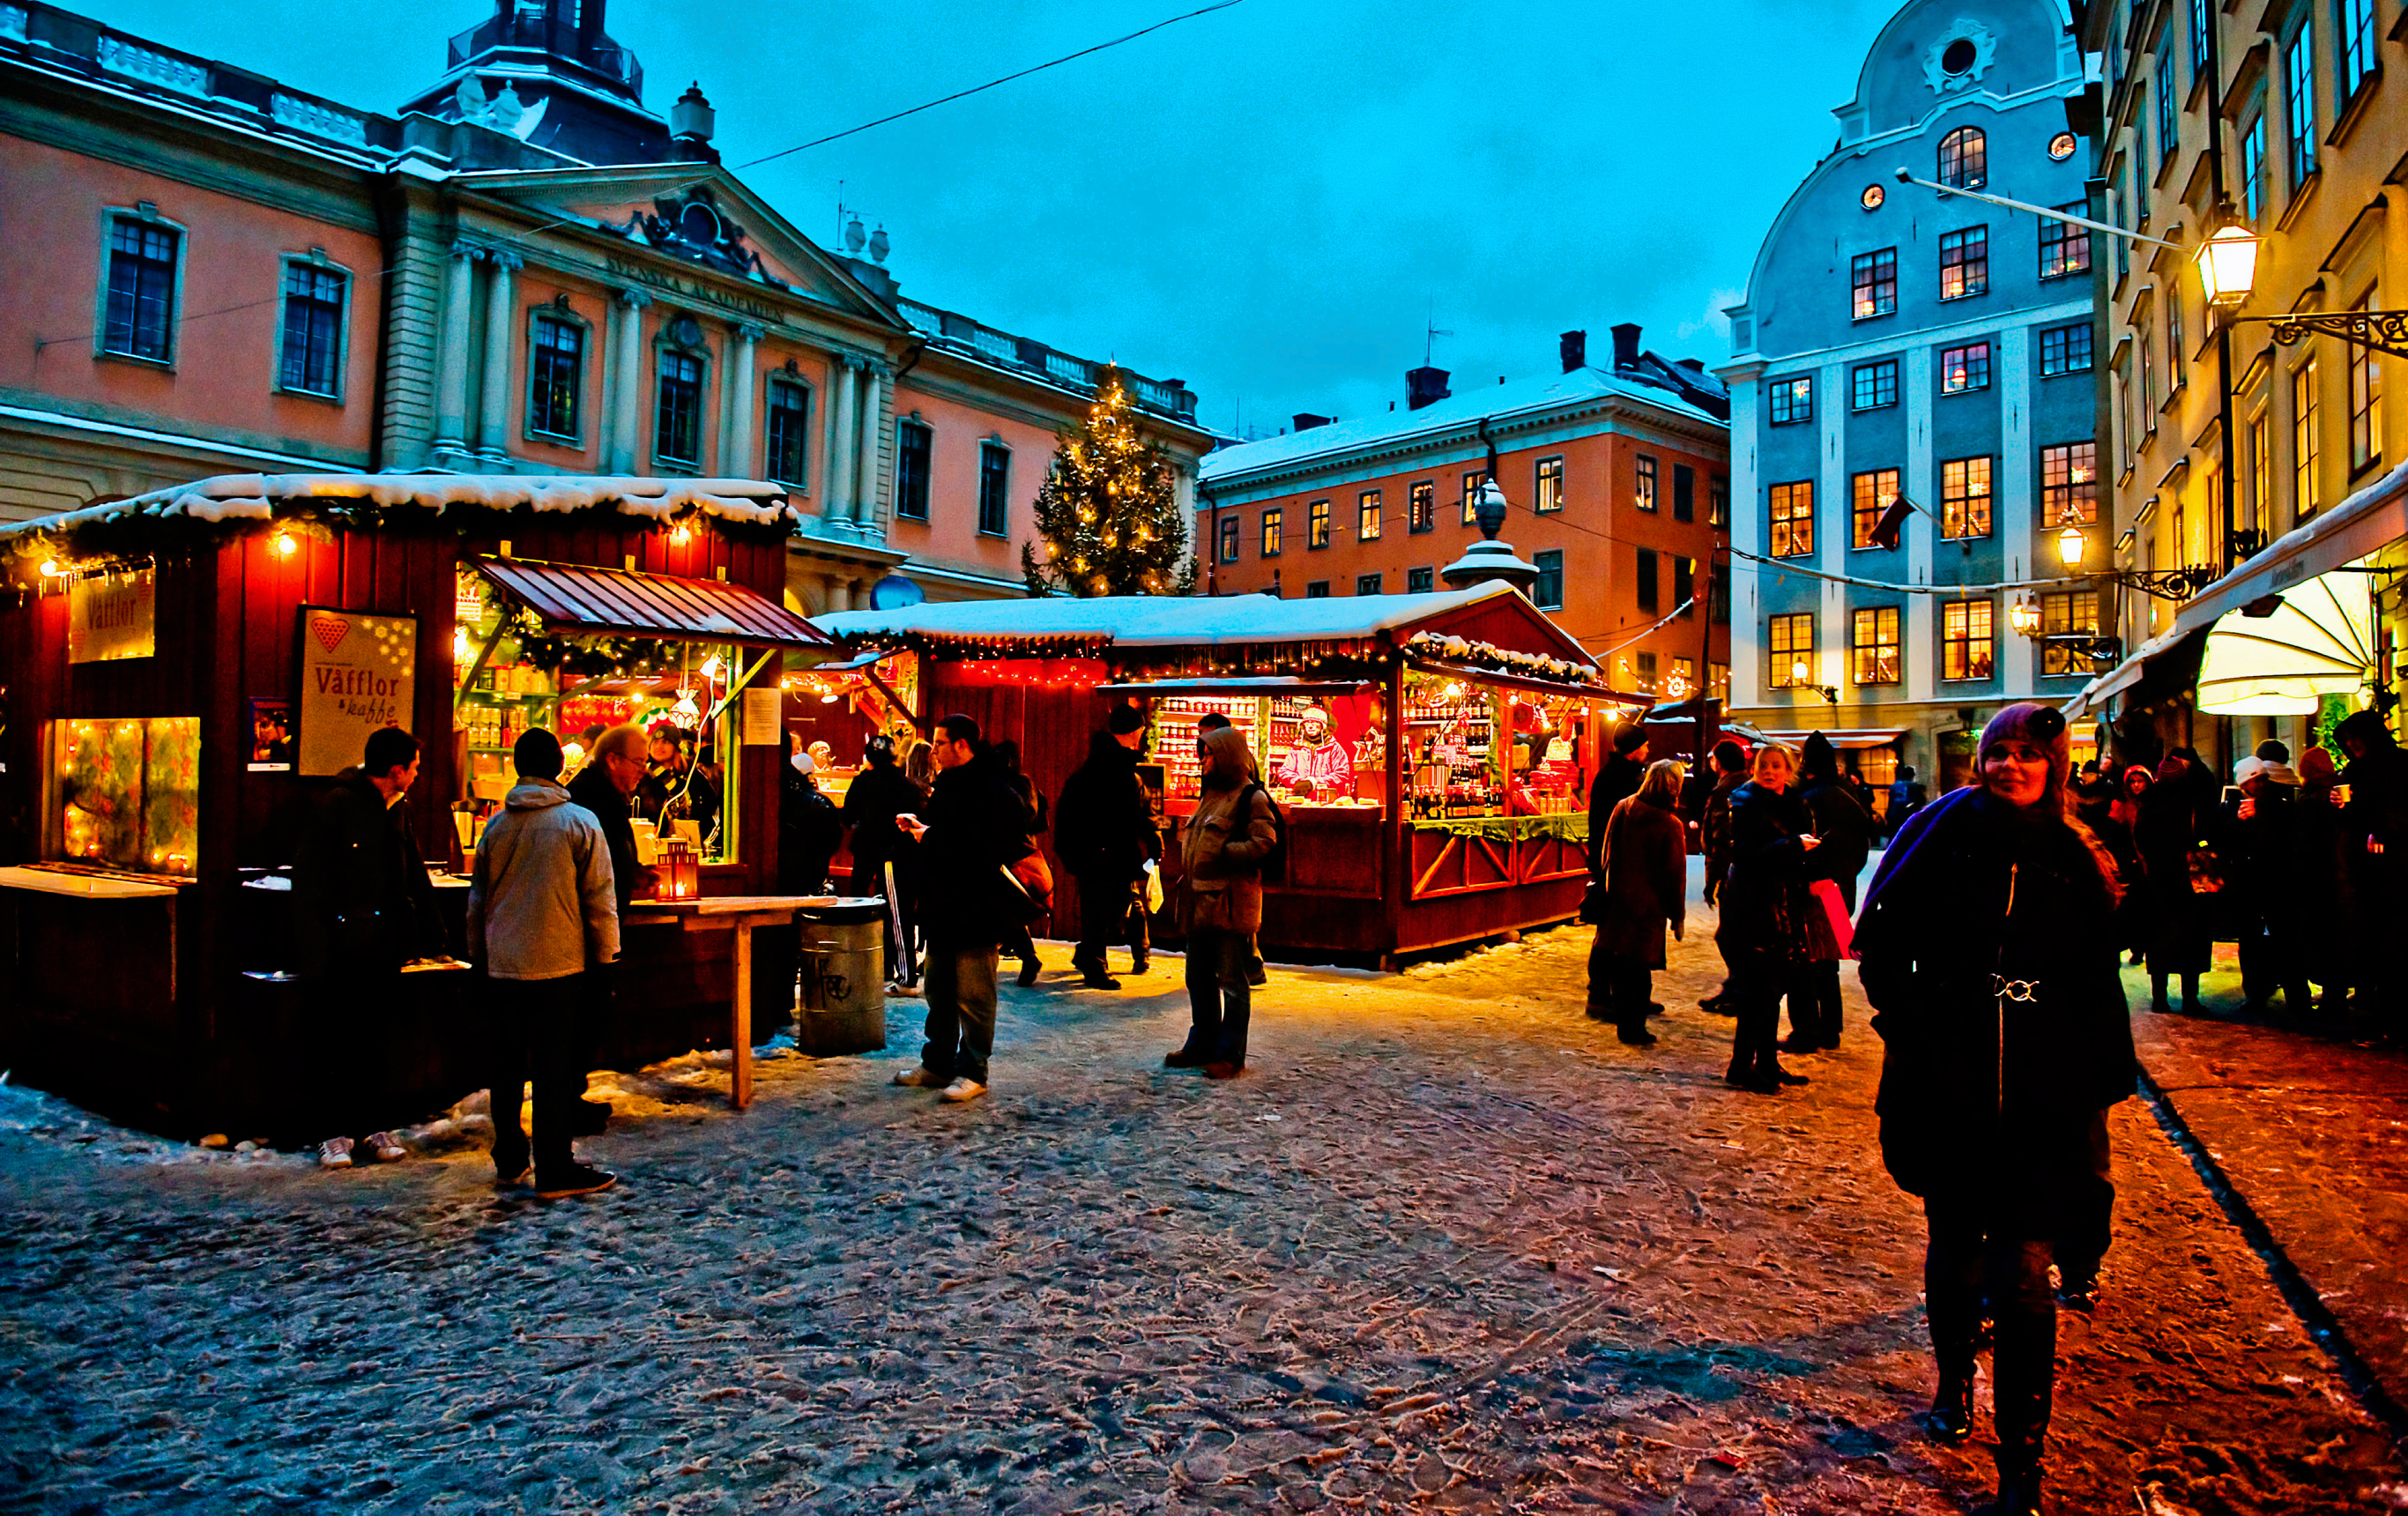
x,y
1107,518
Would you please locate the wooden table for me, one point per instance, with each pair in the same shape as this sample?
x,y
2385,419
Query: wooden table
x,y
740,913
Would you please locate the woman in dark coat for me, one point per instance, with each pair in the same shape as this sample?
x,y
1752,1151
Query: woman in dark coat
x,y
1764,906
1988,950
1645,860
2177,816
1835,815
876,796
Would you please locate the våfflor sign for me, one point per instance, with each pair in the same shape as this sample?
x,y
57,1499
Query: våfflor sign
x,y
358,672
113,616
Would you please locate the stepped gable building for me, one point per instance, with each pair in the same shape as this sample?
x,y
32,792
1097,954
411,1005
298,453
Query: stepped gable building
x,y
1616,476
1895,342
525,269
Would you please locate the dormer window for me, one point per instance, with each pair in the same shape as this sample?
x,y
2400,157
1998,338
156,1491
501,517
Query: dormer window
x,y
1965,159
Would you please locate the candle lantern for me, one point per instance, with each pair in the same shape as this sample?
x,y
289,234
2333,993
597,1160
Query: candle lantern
x,y
680,870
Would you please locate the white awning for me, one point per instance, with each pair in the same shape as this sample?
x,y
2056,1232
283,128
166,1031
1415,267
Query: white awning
x,y
2320,642
1845,736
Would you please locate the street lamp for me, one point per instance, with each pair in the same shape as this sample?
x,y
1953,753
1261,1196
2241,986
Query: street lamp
x,y
2024,617
2227,264
2071,545
1801,674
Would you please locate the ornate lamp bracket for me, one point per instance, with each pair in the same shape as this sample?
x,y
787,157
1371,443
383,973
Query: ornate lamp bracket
x,y
2385,331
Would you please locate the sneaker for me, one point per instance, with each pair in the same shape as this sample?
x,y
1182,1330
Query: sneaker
x,y
1639,1038
1782,1075
509,1173
1223,1069
918,1076
579,1179
384,1146
335,1152
903,989
1183,1058
1136,966
961,1089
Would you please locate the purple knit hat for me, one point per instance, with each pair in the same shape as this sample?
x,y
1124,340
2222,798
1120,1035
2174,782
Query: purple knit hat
x,y
2043,728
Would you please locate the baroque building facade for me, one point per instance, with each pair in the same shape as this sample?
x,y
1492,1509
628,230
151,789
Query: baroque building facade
x,y
1616,482
524,270
1902,352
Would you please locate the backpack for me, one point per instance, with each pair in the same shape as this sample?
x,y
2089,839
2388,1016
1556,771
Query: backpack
x,y
1274,863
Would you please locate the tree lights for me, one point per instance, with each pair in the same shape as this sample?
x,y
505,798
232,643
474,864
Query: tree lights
x,y
1107,518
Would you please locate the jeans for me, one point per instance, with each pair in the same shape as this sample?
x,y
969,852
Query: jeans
x,y
1966,1258
1220,1004
1107,903
961,1010
534,1036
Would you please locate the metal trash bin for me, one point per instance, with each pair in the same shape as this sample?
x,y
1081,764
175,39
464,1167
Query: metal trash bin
x,y
844,977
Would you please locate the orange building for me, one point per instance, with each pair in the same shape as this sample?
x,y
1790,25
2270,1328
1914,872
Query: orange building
x,y
524,271
1618,484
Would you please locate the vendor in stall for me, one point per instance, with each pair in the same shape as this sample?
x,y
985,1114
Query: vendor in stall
x,y
675,787
1318,766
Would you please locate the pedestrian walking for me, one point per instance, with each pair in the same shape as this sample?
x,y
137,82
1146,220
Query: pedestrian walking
x,y
1234,831
2096,808
362,907
1019,940
1762,934
1835,815
2334,938
2265,858
543,915
1730,762
1907,795
1988,952
2374,829
809,827
1617,780
885,860
1105,836
1645,884
2179,862
975,829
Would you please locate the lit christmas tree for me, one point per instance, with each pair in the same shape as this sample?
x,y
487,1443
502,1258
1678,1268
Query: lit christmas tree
x,y
1107,518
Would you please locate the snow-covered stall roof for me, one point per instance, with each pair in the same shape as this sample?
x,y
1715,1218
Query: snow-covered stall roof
x,y
1131,622
256,496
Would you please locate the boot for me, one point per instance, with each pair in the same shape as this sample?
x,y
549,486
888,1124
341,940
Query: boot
x,y
1950,1420
2157,1001
2190,995
2018,1483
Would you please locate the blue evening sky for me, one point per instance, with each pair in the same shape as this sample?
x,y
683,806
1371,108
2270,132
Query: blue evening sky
x,y
1267,202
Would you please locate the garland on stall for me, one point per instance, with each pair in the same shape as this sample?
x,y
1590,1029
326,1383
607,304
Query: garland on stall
x,y
956,646
1480,654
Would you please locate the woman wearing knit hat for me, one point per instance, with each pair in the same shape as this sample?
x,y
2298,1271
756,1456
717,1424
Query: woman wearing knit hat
x,y
1988,952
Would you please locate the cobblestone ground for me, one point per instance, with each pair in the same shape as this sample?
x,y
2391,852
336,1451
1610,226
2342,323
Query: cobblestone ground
x,y
1448,1246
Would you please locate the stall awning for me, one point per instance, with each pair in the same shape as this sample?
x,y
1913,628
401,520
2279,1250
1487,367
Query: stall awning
x,y
1850,737
576,598
2320,642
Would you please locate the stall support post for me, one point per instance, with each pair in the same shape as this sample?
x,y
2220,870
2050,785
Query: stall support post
x,y
1393,852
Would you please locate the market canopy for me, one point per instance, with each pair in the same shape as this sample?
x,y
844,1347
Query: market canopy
x,y
577,599
1846,738
2318,641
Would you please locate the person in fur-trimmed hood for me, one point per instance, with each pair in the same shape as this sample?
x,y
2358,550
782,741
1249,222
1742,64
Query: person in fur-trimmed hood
x,y
1988,950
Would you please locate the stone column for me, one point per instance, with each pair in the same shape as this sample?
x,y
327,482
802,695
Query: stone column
x,y
865,494
501,315
451,376
735,459
839,505
839,592
627,382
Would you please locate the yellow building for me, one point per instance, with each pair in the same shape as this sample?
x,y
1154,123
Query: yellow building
x,y
2251,440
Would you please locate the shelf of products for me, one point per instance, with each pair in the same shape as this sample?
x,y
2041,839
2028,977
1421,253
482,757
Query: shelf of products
x,y
1174,736
1450,729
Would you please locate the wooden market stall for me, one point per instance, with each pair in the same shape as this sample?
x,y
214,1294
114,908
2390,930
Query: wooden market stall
x,y
186,671
1432,753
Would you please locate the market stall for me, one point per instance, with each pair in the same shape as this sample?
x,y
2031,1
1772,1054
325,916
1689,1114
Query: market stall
x,y
186,671
1431,753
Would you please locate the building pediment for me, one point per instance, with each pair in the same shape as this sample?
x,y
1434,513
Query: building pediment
x,y
691,225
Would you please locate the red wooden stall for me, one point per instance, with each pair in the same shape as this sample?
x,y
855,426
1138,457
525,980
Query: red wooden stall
x,y
160,656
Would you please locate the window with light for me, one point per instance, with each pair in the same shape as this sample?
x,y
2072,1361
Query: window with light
x,y
1273,520
1471,483
1548,493
1965,640
2065,248
2068,484
1366,516
2073,613
1873,645
1965,369
1965,497
2365,405
1965,264
1793,519
1316,524
1965,159
1644,494
1869,493
2307,480
1421,507
1872,284
1788,641
1793,400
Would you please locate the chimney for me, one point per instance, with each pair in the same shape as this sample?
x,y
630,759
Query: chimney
x,y
1625,346
1306,421
1574,345
1425,387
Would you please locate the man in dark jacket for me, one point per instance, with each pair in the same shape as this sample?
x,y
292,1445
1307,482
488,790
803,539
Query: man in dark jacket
x,y
1617,780
1906,797
975,826
1836,817
877,795
2266,869
1715,842
1105,834
809,828
2374,829
603,786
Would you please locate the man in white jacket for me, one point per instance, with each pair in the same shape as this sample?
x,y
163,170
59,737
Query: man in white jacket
x,y
541,912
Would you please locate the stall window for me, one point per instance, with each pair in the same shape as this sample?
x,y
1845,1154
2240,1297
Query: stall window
x,y
1316,524
555,377
1965,639
790,410
1550,486
1789,643
126,793
1646,579
995,489
912,444
1421,507
1366,516
1448,734
1868,494
311,362
1423,581
1273,520
1872,644
1547,593
1965,497
1793,519
2073,613
677,417
1643,497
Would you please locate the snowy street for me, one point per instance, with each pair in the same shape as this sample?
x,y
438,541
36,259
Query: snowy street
x,y
1448,1246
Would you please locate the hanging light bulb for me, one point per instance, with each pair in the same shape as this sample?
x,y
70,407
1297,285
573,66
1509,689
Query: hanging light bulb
x,y
287,544
51,568
679,535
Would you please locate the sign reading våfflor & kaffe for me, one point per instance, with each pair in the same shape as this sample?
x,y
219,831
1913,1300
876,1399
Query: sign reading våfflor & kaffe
x,y
357,674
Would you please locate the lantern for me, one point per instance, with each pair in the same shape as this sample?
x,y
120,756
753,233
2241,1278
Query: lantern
x,y
2024,617
2071,544
680,870
2227,264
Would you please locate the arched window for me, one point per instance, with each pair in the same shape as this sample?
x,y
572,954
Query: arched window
x,y
1965,159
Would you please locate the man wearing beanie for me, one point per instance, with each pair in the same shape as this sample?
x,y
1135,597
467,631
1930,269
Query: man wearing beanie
x,y
1104,833
541,912
1617,780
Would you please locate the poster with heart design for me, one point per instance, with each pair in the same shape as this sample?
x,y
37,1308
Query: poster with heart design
x,y
358,672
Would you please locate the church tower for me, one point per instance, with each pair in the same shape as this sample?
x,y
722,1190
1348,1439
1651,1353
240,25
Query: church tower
x,y
546,72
